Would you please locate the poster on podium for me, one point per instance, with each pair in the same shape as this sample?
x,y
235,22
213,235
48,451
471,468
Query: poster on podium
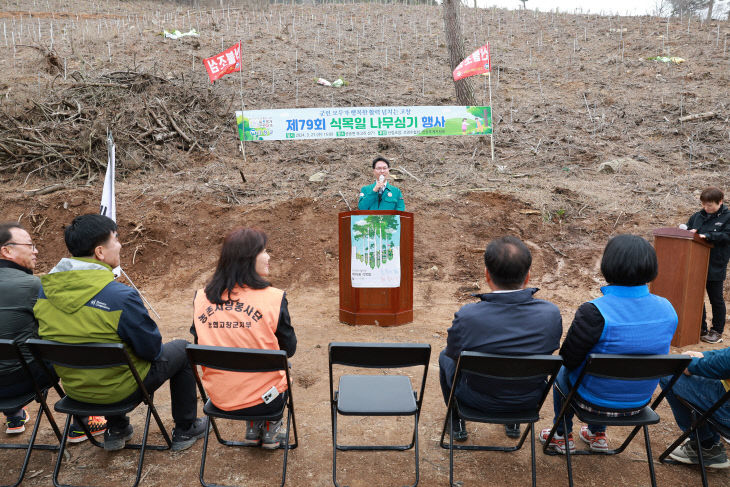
x,y
375,256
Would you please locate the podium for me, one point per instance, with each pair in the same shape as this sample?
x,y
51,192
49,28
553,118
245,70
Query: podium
x,y
383,306
683,258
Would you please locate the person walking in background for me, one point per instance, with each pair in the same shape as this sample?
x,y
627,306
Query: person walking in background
x,y
240,308
712,223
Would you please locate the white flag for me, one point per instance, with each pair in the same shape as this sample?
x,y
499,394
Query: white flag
x,y
108,201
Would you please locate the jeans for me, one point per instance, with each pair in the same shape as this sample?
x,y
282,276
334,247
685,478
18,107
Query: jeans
x,y
172,364
563,383
703,393
717,303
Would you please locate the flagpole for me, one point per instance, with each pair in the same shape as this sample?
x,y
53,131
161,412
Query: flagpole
x,y
140,293
491,134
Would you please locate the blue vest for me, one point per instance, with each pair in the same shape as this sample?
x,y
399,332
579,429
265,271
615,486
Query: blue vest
x,y
636,323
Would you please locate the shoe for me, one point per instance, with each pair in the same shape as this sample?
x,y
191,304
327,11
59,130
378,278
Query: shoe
x,y
270,433
711,337
557,444
96,424
253,433
512,430
115,439
182,439
16,424
596,441
460,433
714,457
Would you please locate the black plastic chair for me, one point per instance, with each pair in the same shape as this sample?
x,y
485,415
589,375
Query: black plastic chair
x,y
508,368
9,350
97,356
621,367
241,360
376,395
698,417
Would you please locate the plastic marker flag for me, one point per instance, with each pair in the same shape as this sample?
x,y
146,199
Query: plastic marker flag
x,y
477,62
229,61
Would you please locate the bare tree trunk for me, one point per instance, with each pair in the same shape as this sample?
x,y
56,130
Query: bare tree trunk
x,y
710,4
455,46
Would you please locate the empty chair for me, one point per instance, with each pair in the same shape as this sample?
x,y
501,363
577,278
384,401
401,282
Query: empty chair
x,y
376,395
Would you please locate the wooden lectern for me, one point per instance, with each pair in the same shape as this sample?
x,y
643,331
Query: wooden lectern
x,y
376,306
683,258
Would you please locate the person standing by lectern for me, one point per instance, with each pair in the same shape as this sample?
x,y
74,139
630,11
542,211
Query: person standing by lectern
x,y
380,195
712,223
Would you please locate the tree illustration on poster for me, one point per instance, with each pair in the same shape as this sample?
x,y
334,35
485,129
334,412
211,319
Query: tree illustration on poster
x,y
375,251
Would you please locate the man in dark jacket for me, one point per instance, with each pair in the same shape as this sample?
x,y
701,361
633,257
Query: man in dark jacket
x,y
18,293
507,321
712,223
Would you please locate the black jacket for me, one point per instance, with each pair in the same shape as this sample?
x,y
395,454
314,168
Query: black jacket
x,y
717,228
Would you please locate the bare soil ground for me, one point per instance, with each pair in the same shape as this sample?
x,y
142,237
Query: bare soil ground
x,y
569,93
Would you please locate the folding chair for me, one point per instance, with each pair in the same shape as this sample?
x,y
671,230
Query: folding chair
x,y
376,395
9,350
97,356
241,360
621,367
699,417
503,367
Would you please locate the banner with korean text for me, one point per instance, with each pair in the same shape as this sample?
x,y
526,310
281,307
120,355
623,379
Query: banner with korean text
x,y
375,257
229,61
354,122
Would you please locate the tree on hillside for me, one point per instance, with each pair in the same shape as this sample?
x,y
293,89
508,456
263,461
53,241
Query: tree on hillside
x,y
455,46
684,7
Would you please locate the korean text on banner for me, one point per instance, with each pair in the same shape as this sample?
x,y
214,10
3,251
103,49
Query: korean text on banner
x,y
352,122
477,62
229,61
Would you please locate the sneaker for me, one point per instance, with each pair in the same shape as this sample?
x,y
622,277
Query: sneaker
x,y
96,424
711,337
253,433
115,439
557,444
512,430
16,424
182,439
714,457
271,437
596,441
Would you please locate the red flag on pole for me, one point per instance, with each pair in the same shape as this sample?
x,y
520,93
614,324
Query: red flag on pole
x,y
229,61
477,62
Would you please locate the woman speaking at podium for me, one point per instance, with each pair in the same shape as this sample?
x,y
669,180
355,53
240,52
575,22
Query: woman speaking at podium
x,y
380,195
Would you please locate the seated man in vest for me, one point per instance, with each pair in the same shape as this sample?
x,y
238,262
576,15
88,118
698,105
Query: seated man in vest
x,y
380,195
703,384
627,319
507,321
80,302
18,293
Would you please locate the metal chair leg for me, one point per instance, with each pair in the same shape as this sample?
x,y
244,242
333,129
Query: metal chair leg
x,y
649,457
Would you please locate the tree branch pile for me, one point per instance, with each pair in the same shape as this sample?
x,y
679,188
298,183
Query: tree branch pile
x,y
153,121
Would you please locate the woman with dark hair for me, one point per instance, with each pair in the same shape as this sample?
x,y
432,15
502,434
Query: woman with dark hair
x,y
240,308
627,319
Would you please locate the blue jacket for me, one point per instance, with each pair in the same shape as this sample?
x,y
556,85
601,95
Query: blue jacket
x,y
715,364
636,323
512,323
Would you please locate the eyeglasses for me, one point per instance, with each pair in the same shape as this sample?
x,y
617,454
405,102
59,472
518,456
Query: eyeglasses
x,y
33,247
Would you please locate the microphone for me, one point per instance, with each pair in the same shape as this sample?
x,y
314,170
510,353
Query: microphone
x,y
381,179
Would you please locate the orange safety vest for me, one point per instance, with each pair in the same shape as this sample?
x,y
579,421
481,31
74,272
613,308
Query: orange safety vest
x,y
248,320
